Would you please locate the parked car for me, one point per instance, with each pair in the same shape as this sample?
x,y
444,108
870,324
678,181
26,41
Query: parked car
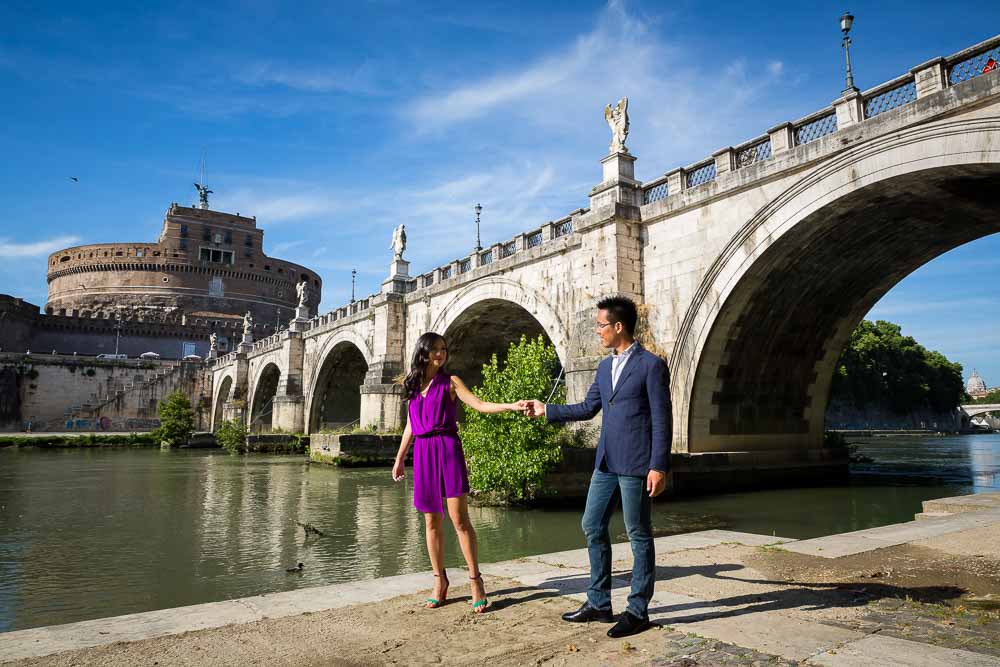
x,y
191,357
112,356
149,355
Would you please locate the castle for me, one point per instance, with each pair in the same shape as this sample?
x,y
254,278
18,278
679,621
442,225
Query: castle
x,y
204,272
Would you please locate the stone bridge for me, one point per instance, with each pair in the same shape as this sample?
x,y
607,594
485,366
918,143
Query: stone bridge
x,y
753,267
967,412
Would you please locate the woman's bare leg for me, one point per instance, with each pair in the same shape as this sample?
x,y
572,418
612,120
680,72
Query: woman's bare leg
x,y
434,524
458,510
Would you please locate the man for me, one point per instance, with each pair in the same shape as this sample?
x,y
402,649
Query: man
x,y
633,455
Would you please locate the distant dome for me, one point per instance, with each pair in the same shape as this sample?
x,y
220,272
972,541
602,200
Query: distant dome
x,y
976,384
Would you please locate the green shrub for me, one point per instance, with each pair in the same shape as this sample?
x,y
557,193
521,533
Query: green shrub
x,y
508,453
232,435
300,441
176,418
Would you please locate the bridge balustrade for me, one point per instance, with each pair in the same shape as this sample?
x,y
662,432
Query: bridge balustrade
x,y
974,61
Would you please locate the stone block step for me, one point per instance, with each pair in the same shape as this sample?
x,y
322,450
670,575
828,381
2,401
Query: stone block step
x,y
973,503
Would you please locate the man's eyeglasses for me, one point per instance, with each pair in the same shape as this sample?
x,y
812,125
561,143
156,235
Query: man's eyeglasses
x,y
601,325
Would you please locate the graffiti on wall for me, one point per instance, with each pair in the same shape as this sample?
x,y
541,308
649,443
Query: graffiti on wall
x,y
106,423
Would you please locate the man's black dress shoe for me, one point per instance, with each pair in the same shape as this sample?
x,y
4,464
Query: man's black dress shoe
x,y
628,625
586,613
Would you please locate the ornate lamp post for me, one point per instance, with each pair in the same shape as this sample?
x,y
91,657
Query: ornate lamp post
x,y
354,277
846,21
479,245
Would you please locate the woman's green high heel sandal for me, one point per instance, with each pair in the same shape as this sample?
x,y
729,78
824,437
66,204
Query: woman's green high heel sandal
x,y
480,607
433,603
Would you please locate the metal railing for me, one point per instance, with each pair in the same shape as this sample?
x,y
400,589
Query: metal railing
x,y
656,191
508,249
701,174
562,228
465,265
980,59
816,126
756,151
890,95
533,240
486,257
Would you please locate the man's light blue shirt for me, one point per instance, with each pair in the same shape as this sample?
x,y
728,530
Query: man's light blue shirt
x,y
618,362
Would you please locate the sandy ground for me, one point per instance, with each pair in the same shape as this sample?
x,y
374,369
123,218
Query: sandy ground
x,y
523,625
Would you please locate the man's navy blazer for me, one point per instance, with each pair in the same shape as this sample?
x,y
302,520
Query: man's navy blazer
x,y
636,426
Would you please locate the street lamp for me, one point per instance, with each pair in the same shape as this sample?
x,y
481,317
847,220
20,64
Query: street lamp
x,y
846,21
118,330
479,245
354,277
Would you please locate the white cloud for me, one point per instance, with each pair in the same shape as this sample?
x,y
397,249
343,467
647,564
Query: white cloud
x,y
359,80
285,246
9,249
682,107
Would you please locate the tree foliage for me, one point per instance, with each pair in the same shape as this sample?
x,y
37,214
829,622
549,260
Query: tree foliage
x,y
176,418
232,435
508,453
882,367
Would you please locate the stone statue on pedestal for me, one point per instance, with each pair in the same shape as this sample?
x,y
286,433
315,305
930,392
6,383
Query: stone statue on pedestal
x,y
213,345
617,118
302,290
398,241
247,324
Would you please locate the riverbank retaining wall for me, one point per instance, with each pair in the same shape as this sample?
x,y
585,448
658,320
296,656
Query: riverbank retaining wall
x,y
44,392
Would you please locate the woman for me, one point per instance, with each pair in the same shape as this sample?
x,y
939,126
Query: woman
x,y
438,461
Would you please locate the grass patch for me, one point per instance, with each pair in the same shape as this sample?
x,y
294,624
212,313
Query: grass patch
x,y
88,440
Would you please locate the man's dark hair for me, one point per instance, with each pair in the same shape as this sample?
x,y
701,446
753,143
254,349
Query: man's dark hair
x,y
620,309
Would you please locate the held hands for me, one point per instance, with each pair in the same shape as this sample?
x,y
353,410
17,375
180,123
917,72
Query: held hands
x,y
531,408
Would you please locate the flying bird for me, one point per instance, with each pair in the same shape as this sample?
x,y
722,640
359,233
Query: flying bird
x,y
74,179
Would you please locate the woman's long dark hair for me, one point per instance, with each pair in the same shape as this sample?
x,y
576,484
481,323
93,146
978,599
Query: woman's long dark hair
x,y
419,361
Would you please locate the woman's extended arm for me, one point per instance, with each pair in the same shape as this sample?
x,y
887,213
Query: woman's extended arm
x,y
404,447
474,402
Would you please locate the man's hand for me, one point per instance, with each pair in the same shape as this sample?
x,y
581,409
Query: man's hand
x,y
534,409
656,482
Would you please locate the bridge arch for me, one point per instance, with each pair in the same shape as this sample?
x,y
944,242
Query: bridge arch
x,y
333,394
487,316
754,358
980,409
221,397
265,388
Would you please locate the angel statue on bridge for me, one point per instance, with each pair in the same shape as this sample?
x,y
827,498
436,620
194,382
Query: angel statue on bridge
x,y
302,290
247,323
617,118
398,245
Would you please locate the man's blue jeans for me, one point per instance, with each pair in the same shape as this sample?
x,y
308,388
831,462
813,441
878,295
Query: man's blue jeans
x,y
601,500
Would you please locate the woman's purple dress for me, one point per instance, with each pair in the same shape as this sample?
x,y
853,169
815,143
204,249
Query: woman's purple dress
x,y
439,469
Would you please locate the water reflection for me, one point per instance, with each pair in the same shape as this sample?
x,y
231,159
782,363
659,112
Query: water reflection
x,y
87,534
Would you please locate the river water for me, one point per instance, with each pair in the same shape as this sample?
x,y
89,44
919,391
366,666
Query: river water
x,y
89,533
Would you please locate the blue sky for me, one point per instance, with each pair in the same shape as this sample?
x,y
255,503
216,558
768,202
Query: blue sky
x,y
334,122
